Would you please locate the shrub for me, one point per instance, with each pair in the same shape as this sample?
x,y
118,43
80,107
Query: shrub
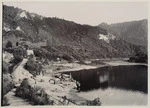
x,y
23,90
68,58
33,67
36,95
7,83
39,53
9,44
5,102
10,50
139,58
13,63
5,67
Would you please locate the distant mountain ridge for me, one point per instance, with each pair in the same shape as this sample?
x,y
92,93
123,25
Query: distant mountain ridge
x,y
135,32
63,37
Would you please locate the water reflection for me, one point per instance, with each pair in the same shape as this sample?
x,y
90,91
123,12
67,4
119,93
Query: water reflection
x,y
133,77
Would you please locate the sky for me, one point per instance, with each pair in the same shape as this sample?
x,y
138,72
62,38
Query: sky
x,y
91,13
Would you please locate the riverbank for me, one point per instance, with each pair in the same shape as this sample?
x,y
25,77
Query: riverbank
x,y
58,89
59,67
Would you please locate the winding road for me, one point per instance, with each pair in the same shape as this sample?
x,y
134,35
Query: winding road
x,y
18,75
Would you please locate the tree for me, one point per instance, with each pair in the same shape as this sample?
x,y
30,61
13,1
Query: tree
x,y
9,44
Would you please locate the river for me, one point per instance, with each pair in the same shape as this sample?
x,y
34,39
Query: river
x,y
114,85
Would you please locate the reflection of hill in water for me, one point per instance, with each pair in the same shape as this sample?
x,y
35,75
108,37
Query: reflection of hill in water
x,y
125,77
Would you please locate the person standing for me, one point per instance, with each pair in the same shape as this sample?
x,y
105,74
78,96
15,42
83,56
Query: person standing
x,y
43,71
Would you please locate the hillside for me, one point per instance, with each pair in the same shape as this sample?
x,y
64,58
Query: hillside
x,y
53,37
135,32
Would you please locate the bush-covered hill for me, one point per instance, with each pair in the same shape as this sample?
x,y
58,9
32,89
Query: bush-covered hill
x,y
135,32
68,38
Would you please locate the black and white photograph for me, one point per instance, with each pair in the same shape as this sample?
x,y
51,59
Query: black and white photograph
x,y
74,53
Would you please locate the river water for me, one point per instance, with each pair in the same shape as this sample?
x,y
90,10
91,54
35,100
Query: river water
x,y
114,85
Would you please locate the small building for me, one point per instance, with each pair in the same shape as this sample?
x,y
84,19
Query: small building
x,y
30,52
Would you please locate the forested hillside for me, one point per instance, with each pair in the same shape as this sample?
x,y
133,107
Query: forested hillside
x,y
53,37
134,32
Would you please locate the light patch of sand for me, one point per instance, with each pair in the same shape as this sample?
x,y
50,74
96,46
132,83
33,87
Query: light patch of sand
x,y
120,62
71,67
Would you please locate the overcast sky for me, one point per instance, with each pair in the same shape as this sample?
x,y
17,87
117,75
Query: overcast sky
x,y
92,13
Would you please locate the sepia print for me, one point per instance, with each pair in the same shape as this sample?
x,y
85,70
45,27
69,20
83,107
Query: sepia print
x,y
74,53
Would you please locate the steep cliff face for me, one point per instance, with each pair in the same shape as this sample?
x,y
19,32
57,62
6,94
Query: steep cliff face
x,y
67,37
